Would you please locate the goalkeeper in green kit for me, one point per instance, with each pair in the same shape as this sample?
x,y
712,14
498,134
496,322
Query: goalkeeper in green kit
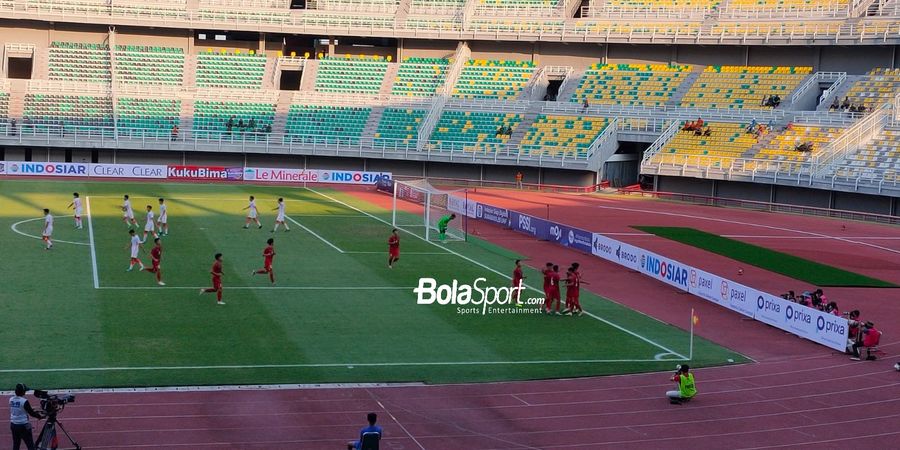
x,y
442,225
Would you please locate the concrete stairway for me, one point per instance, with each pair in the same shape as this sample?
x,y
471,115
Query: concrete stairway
x,y
17,91
523,127
568,91
371,127
308,79
389,77
685,86
282,109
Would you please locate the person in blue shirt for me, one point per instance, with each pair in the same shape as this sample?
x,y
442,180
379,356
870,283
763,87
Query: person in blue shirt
x,y
372,428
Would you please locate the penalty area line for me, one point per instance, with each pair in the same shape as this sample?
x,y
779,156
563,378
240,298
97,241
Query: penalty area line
x,y
314,234
347,365
616,326
94,272
15,228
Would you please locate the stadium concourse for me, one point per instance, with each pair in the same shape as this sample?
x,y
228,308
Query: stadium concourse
x,y
795,394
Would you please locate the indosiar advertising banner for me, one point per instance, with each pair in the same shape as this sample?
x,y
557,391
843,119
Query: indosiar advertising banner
x,y
45,169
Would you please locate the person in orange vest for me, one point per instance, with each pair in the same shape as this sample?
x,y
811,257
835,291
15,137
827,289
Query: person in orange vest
x,y
519,178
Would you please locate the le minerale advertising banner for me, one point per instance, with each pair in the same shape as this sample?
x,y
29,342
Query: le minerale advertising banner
x,y
267,174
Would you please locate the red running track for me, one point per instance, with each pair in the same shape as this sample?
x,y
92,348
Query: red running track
x,y
798,394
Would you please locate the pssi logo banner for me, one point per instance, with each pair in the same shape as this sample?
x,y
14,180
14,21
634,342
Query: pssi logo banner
x,y
531,225
47,169
204,173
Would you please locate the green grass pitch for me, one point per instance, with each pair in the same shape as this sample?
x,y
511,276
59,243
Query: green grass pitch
x,y
336,314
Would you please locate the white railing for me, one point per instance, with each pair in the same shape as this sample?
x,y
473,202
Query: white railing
x,y
859,7
571,30
216,141
55,86
832,10
814,80
247,3
536,77
605,141
244,95
835,86
19,49
646,13
523,11
661,141
670,112
430,121
358,6
852,138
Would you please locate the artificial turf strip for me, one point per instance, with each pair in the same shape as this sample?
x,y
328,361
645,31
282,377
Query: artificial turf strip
x,y
333,316
774,261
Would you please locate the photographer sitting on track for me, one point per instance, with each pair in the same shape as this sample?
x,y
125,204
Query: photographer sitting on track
x,y
19,410
686,388
369,437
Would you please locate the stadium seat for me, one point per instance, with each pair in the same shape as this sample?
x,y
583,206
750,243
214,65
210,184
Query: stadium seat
x,y
71,112
420,76
878,159
877,87
789,5
138,64
661,4
211,117
742,86
727,141
630,84
326,124
399,127
4,105
76,61
472,131
351,74
562,135
230,70
493,79
147,115
783,146
161,9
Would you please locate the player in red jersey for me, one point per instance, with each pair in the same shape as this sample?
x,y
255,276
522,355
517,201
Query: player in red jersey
x,y
393,248
155,257
269,255
546,271
576,290
216,272
517,278
554,288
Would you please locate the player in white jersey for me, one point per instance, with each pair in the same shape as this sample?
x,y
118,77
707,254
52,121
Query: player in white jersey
x,y
128,213
76,205
149,227
280,218
47,231
252,213
162,222
136,247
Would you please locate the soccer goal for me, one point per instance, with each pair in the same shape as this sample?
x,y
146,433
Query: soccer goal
x,y
418,207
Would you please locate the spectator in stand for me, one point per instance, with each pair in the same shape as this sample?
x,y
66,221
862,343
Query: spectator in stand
x,y
789,126
751,129
585,105
175,132
499,131
846,103
835,105
870,337
252,125
861,108
852,108
698,124
268,128
230,124
241,125
688,126
776,101
370,433
707,132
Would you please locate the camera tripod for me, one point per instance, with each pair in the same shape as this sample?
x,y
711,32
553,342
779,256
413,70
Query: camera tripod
x,y
49,440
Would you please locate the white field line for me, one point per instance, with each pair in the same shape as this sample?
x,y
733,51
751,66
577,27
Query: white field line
x,y
402,254
618,327
271,288
96,274
348,365
15,228
315,234
422,447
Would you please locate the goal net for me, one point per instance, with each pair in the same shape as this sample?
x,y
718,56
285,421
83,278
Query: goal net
x,y
418,207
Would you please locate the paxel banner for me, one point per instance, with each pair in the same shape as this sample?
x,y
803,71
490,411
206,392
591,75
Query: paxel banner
x,y
492,214
204,173
268,174
53,169
128,171
708,286
530,225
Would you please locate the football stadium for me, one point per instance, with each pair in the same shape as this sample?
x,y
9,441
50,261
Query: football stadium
x,y
450,224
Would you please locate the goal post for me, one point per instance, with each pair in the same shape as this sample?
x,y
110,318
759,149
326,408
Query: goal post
x,y
418,207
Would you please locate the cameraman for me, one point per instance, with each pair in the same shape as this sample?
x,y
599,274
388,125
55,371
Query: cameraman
x,y
19,410
686,389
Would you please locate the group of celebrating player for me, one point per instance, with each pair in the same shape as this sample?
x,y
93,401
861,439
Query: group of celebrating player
x,y
552,279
